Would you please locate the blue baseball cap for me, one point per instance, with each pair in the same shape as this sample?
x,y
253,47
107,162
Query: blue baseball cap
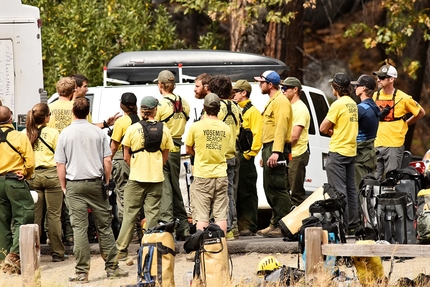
x,y
269,76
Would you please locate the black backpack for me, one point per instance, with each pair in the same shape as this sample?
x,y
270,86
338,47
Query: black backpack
x,y
153,135
245,135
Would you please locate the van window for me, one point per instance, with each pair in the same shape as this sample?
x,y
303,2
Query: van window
x,y
311,130
321,108
90,97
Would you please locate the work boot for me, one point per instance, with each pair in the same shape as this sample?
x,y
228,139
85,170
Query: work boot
x,y
69,241
59,258
79,278
116,273
12,263
122,256
246,232
263,232
229,236
275,233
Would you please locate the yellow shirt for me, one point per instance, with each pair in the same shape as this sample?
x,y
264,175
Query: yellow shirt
x,y
252,120
343,113
11,161
146,166
61,115
119,129
234,126
176,123
210,139
43,155
392,134
302,118
277,122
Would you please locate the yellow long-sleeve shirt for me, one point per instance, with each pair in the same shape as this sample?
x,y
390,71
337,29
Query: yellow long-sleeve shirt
x,y
252,120
10,160
277,122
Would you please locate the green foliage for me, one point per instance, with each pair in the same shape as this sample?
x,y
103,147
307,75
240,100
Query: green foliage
x,y
82,36
403,19
211,40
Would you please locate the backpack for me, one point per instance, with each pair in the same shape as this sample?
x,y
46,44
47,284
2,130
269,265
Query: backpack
x,y
245,135
177,109
211,262
156,257
153,135
3,138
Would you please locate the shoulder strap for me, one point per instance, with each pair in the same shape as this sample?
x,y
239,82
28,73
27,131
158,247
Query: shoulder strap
x,y
134,118
3,138
144,126
174,109
247,107
229,111
39,130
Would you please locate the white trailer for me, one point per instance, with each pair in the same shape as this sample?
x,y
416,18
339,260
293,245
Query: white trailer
x,y
21,74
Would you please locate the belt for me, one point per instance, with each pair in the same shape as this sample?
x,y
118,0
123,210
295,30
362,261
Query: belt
x,y
9,175
86,180
267,144
42,167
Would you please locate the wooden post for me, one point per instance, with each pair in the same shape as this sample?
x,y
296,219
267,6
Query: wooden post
x,y
29,252
313,237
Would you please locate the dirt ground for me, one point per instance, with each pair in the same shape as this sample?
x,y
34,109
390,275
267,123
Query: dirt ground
x,y
244,268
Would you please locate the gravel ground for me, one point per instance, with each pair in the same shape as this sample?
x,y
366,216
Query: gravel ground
x,y
244,268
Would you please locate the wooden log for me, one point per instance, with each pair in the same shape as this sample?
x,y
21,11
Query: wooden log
x,y
29,251
399,250
313,237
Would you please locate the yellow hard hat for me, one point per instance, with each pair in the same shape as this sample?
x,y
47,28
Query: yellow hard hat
x,y
267,265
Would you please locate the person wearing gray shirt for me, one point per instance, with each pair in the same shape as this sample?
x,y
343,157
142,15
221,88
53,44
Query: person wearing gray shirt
x,y
84,166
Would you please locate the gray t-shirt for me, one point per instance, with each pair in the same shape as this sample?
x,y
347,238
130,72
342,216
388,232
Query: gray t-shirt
x,y
82,147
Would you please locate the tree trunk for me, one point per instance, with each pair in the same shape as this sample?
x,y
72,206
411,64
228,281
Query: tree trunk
x,y
285,42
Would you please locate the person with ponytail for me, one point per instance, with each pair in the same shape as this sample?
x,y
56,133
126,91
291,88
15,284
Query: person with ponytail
x,y
50,195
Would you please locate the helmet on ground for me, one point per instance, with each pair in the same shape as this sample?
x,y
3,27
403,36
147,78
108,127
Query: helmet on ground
x,y
267,265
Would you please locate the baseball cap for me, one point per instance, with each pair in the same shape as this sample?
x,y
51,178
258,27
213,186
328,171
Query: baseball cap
x,y
269,76
149,102
128,99
366,81
386,71
211,100
165,77
341,79
242,85
292,82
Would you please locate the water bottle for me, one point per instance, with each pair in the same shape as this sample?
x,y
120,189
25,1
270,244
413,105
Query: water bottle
x,y
188,279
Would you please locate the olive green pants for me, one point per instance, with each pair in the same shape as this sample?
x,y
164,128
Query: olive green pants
x,y
17,205
172,203
120,173
80,196
275,186
50,201
137,194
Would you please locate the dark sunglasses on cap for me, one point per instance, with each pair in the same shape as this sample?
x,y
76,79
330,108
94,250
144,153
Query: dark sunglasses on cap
x,y
238,91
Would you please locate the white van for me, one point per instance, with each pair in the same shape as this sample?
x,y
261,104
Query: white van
x,y
21,75
105,102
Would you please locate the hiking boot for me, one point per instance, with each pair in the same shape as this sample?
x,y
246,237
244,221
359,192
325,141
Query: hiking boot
x,y
229,236
122,256
59,258
190,256
263,232
275,233
69,241
79,278
116,273
12,263
246,232
236,233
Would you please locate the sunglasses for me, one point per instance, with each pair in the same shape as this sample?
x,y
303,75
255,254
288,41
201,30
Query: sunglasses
x,y
284,88
238,91
383,77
